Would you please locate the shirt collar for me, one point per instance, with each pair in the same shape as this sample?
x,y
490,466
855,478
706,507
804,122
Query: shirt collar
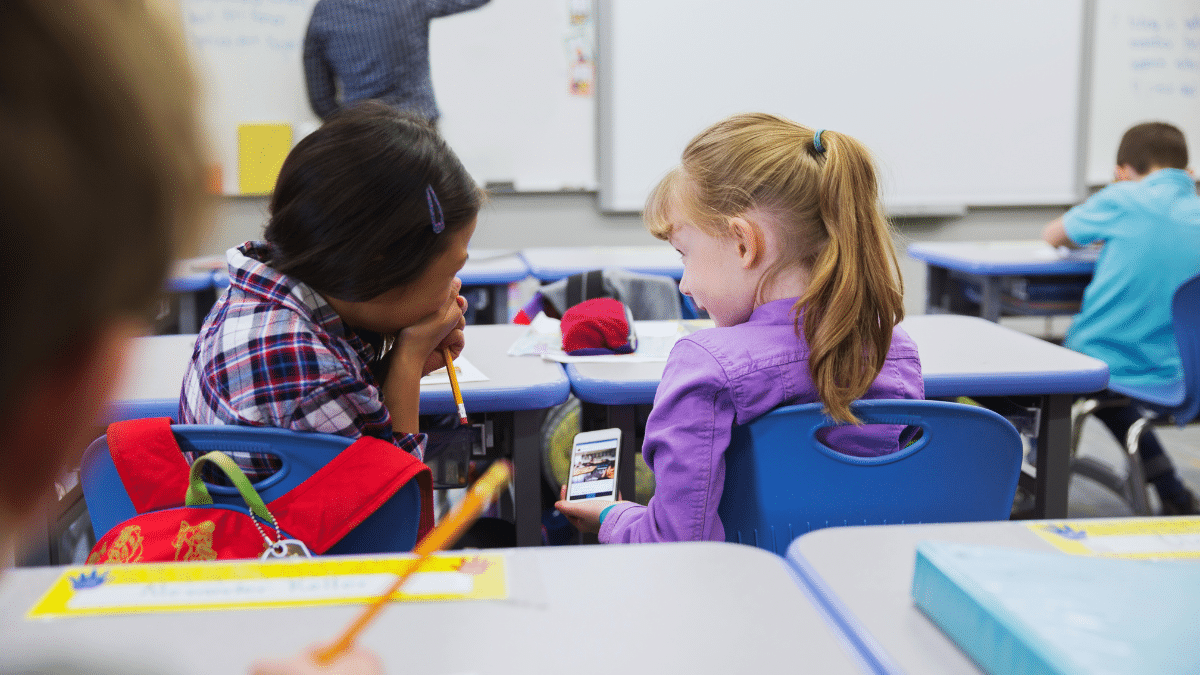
x,y
1183,178
250,274
775,311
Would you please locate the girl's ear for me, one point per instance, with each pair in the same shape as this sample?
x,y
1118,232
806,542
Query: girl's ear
x,y
747,238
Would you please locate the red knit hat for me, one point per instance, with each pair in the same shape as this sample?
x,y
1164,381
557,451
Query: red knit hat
x,y
598,326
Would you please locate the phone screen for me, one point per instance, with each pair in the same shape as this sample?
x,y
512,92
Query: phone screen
x,y
593,471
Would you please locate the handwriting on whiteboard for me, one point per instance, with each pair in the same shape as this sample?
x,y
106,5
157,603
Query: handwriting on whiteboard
x,y
1162,48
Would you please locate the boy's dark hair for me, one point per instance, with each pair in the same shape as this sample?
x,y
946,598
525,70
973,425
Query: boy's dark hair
x,y
1153,144
102,178
350,215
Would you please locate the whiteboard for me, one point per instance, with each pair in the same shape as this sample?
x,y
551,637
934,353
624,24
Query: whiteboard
x,y
502,77
1145,67
963,103
248,54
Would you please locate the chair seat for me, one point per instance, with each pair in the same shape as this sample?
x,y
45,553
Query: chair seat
x,y
1169,395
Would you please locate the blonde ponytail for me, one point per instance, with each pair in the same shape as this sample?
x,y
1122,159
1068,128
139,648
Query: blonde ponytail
x,y
855,295
824,197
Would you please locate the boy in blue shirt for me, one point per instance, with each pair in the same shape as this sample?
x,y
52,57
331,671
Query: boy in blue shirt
x,y
1149,223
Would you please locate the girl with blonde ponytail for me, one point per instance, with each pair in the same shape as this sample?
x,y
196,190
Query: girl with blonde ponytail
x,y
785,244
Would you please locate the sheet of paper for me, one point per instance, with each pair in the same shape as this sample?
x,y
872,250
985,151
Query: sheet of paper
x,y
655,340
244,584
464,369
1124,538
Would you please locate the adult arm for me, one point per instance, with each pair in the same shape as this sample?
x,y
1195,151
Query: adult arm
x,y
435,8
318,74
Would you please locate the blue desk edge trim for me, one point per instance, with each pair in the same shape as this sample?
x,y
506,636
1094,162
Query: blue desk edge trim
x,y
1065,382
871,652
539,397
604,392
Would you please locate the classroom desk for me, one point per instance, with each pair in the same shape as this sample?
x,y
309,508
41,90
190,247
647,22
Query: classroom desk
x,y
866,574
153,377
548,264
521,386
960,356
658,608
991,266
492,271
188,279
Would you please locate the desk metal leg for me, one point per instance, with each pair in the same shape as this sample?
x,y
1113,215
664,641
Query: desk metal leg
x,y
527,476
937,289
499,303
188,320
624,416
989,307
1054,457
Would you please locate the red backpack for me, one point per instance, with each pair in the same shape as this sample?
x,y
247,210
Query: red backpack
x,y
177,519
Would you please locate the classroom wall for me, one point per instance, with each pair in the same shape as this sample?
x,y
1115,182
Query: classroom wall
x,y
514,221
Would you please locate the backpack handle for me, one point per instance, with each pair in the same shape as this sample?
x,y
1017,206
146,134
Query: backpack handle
x,y
197,493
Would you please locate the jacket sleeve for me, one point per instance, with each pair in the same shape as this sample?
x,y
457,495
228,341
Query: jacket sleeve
x,y
687,434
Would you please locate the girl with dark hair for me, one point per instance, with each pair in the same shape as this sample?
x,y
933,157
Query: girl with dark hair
x,y
329,324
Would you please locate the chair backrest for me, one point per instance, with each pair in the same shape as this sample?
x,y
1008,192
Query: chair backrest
x,y
391,528
781,481
1185,318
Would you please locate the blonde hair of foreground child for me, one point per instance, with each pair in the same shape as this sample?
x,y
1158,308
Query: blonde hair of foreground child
x,y
824,202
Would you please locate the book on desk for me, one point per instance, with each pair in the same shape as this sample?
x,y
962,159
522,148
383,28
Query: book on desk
x,y
1019,611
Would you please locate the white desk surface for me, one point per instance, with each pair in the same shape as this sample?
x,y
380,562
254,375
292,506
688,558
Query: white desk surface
x,y
1033,257
657,608
155,368
157,364
969,356
515,382
960,356
553,263
870,569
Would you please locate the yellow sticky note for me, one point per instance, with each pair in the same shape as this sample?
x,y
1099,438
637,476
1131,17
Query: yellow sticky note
x,y
261,151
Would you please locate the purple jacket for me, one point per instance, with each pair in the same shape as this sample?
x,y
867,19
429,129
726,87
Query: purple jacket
x,y
717,378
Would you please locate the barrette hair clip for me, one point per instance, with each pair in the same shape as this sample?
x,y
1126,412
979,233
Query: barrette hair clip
x,y
435,210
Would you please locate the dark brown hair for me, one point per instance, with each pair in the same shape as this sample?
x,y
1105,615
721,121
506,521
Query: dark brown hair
x,y
102,179
350,215
825,207
1153,144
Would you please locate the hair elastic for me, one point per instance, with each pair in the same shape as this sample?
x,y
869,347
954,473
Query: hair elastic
x,y
817,141
435,210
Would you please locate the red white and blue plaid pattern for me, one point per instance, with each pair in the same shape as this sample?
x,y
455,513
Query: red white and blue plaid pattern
x,y
272,352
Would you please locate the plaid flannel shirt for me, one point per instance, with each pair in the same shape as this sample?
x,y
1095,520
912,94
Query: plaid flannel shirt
x,y
272,352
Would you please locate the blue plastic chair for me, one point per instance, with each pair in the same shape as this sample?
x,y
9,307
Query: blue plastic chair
x,y
1177,403
391,528
781,481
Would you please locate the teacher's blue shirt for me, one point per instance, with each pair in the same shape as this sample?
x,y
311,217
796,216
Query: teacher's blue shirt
x,y
373,49
1151,235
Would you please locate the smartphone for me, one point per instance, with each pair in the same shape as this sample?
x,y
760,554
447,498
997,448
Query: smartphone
x,y
594,465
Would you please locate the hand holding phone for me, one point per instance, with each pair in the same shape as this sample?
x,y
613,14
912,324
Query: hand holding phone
x,y
593,472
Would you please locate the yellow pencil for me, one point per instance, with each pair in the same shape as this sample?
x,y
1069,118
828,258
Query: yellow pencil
x,y
462,409
445,534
